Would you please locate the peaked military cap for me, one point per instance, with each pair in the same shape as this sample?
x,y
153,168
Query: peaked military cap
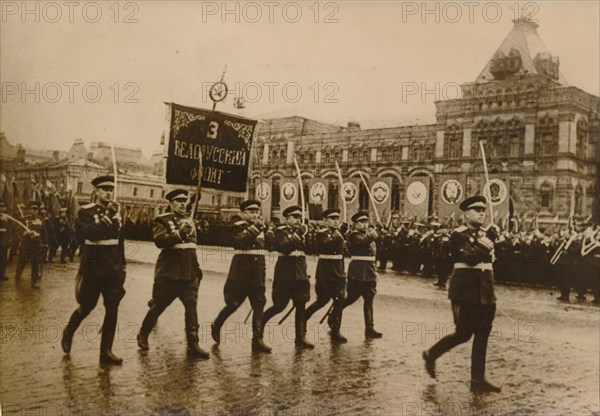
x,y
477,201
249,204
330,213
177,193
360,216
292,210
107,180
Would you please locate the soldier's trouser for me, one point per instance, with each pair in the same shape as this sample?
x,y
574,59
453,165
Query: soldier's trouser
x,y
164,292
31,249
357,289
470,319
564,275
235,293
327,290
283,291
87,292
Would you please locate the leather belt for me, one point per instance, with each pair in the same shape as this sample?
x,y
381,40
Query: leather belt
x,y
181,246
253,252
331,256
364,258
480,266
111,242
295,253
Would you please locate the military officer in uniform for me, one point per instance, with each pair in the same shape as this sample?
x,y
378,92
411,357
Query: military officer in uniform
x,y
290,280
330,276
177,272
471,292
101,268
362,276
246,278
32,247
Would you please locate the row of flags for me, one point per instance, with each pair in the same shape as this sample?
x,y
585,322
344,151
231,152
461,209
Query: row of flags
x,y
417,194
17,197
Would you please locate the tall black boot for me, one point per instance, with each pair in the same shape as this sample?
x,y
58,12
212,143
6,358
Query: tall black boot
x,y
335,322
369,325
300,324
109,328
69,331
258,345
193,349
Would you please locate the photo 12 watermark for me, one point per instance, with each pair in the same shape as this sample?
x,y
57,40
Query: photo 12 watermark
x,y
467,11
270,12
73,92
93,12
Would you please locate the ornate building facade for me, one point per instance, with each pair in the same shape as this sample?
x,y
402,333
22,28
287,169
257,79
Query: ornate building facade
x,y
539,134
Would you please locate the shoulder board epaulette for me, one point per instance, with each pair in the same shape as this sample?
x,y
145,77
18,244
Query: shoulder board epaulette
x,y
322,230
282,227
460,229
165,214
88,206
241,222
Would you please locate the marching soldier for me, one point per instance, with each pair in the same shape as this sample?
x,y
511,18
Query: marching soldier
x,y
330,276
471,293
246,278
62,236
442,259
177,273
102,267
32,247
566,264
362,276
290,280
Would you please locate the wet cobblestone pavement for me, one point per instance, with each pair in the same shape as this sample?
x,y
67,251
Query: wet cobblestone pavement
x,y
543,353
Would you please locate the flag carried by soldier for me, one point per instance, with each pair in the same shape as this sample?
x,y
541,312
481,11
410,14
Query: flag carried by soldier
x,y
223,140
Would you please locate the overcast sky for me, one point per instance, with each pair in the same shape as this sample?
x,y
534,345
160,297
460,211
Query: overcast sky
x,y
332,61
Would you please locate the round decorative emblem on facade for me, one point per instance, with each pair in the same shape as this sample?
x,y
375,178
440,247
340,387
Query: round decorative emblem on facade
x,y
381,192
416,193
451,191
288,192
318,191
350,192
263,191
495,189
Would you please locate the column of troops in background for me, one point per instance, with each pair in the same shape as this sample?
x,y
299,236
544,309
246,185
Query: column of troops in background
x,y
520,257
39,244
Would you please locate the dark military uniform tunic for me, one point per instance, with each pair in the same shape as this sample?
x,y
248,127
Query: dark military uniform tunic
x,y
102,266
290,280
469,283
